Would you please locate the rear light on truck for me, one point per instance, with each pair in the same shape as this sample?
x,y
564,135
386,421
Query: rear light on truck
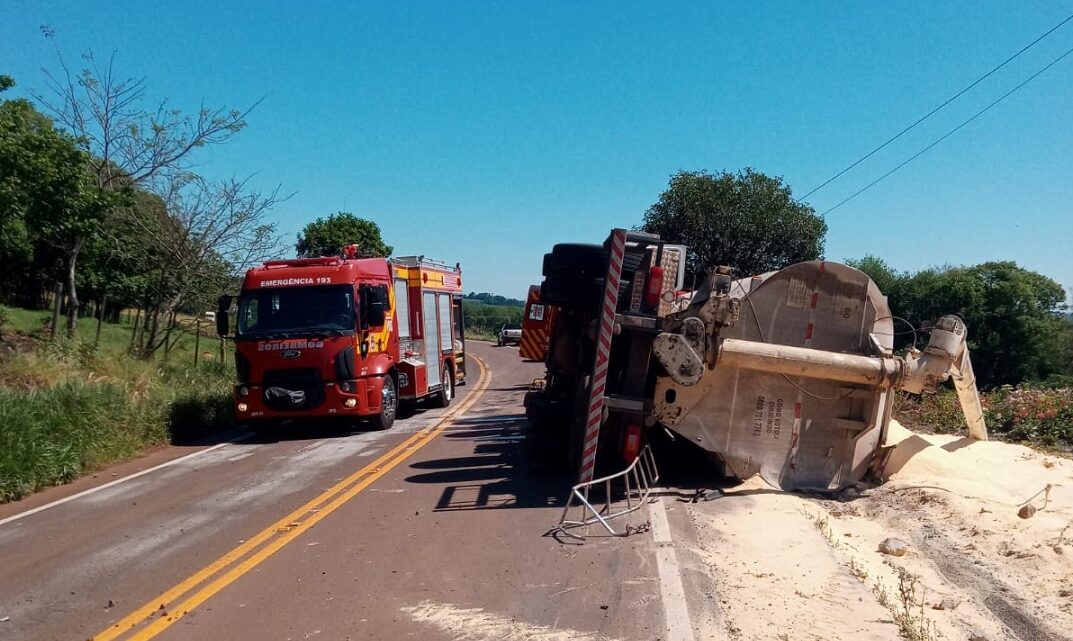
x,y
655,286
631,445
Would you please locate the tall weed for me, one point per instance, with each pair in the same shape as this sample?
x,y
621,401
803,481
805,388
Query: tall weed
x,y
68,409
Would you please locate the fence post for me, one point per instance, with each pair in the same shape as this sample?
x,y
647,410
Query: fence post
x,y
197,340
56,309
100,318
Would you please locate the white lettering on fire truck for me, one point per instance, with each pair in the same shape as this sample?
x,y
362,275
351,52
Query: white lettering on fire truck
x,y
293,344
286,282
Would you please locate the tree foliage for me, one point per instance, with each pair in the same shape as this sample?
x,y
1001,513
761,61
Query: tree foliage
x,y
328,236
48,201
127,146
494,299
748,220
1016,323
104,199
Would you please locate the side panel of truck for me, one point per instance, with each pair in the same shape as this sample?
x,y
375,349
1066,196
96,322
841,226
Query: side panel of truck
x,y
537,324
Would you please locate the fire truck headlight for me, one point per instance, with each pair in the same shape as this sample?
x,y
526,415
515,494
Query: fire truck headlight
x,y
243,390
350,403
347,386
242,407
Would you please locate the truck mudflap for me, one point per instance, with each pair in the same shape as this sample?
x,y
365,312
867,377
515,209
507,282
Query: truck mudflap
x,y
792,376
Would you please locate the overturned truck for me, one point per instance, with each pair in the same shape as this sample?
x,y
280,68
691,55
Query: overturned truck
x,y
789,374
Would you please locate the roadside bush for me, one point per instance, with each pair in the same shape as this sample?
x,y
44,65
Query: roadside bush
x,y
51,436
203,403
68,409
1033,414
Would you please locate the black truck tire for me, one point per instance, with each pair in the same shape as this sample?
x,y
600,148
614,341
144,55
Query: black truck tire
x,y
566,290
389,406
585,261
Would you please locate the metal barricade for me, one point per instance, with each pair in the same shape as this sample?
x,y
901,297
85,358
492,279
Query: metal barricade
x,y
637,481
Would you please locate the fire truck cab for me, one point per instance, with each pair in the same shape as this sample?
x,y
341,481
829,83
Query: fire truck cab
x,y
345,337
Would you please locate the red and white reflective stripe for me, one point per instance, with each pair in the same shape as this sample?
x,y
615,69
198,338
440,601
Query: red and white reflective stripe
x,y
594,416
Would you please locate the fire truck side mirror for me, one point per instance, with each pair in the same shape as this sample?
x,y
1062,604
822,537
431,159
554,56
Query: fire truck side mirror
x,y
374,304
223,305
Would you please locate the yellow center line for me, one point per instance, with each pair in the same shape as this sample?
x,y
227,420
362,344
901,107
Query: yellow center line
x,y
284,530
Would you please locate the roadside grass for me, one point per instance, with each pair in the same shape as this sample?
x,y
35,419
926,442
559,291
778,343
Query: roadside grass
x,y
115,337
69,407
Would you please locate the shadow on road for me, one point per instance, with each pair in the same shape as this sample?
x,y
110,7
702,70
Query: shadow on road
x,y
495,472
193,425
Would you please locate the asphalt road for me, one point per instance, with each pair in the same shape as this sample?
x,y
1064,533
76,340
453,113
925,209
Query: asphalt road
x,y
432,530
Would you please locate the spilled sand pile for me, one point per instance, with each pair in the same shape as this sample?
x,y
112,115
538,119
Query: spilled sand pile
x,y
788,566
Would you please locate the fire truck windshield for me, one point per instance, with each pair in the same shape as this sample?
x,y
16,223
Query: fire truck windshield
x,y
285,312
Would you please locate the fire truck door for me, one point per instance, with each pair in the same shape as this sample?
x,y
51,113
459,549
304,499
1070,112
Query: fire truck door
x,y
445,322
432,337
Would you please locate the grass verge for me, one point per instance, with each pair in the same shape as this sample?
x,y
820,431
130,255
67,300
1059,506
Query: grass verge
x,y
68,408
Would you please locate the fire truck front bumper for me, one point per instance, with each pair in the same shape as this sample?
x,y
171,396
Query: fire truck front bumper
x,y
353,398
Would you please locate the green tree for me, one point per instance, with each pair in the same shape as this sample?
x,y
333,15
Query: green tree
x,y
328,236
1015,317
49,204
127,145
748,220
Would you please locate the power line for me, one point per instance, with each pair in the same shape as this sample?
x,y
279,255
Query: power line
x,y
937,109
949,133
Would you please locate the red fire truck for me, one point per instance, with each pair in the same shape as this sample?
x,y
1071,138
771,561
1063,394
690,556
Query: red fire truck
x,y
345,337
537,326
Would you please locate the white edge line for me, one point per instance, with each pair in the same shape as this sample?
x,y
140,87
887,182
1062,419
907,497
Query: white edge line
x,y
93,490
676,619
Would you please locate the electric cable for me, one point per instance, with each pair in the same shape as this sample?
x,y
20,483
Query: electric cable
x,y
939,108
949,133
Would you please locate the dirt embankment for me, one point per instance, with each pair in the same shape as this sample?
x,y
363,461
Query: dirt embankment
x,y
971,565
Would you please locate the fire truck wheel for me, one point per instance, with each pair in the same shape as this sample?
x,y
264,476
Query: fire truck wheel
x,y
389,405
447,390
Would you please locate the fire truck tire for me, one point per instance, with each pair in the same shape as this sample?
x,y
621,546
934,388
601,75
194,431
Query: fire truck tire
x,y
389,406
447,390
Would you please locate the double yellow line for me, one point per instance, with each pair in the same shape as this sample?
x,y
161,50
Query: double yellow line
x,y
160,613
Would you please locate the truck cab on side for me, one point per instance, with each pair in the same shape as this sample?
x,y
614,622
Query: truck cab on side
x,y
345,338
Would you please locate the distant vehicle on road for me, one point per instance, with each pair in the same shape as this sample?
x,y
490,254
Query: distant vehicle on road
x,y
509,333
210,316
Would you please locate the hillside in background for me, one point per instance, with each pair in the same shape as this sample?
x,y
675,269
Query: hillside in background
x,y
494,299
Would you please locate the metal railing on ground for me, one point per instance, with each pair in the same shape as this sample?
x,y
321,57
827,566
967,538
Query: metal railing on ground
x,y
623,492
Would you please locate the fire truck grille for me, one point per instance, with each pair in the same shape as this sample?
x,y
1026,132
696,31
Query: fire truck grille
x,y
293,389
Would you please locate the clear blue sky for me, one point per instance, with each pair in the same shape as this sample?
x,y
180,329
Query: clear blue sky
x,y
486,132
